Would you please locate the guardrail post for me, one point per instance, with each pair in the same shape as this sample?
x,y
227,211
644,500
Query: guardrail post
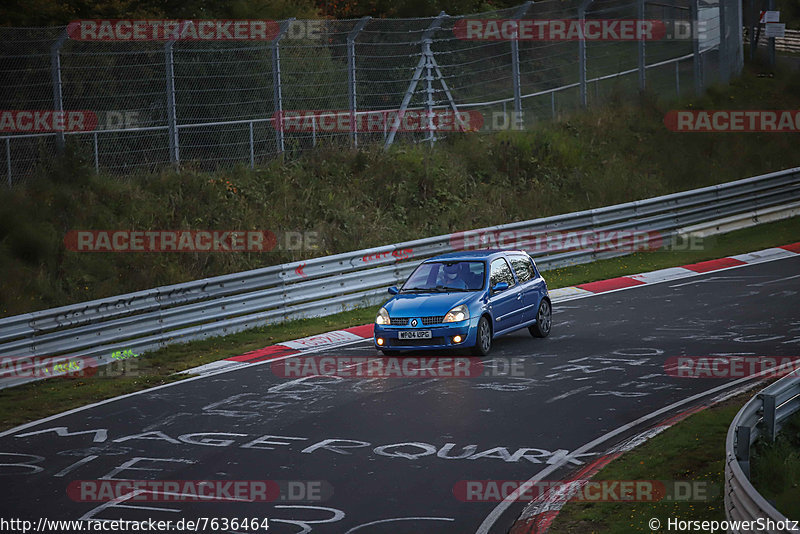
x,y
55,72
769,405
743,449
582,53
172,114
698,58
515,78
640,47
277,96
351,75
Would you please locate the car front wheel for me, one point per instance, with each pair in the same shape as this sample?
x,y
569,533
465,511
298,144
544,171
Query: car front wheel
x,y
544,320
483,340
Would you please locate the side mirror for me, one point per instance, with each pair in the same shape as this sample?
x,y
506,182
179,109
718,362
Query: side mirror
x,y
499,286
393,290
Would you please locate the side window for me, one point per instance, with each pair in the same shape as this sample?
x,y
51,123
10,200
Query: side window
x,y
501,272
523,268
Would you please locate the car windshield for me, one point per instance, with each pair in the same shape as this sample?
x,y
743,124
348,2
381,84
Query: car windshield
x,y
442,276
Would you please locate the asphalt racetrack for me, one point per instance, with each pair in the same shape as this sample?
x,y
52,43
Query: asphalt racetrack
x,y
388,452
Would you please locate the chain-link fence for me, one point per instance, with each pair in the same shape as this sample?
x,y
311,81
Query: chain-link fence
x,y
208,104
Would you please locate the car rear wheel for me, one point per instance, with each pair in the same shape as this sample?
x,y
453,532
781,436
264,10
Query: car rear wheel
x,y
483,340
544,320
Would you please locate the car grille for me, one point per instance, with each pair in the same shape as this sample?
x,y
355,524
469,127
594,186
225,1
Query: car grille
x,y
426,321
416,342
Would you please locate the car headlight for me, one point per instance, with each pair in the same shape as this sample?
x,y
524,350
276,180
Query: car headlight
x,y
457,314
383,317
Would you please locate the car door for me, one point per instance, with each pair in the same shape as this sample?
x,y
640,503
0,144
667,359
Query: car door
x,y
506,305
531,285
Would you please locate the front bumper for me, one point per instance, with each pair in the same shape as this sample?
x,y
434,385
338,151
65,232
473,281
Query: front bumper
x,y
441,336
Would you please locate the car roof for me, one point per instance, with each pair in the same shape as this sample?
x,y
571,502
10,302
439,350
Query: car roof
x,y
475,254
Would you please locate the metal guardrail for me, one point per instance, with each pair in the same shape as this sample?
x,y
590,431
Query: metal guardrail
x,y
765,414
150,319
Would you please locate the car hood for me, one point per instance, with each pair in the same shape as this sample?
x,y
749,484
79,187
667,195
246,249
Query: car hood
x,y
426,304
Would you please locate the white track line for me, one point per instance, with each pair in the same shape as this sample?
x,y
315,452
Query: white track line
x,y
511,498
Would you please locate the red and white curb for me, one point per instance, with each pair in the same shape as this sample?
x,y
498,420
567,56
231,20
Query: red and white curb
x,y
288,348
673,273
349,335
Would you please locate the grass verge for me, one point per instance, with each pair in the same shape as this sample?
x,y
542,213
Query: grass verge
x,y
353,199
33,401
775,469
691,451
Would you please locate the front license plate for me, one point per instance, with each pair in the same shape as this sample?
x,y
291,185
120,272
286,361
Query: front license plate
x,y
415,334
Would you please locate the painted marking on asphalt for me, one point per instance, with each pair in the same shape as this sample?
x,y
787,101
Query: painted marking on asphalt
x,y
568,394
501,507
393,520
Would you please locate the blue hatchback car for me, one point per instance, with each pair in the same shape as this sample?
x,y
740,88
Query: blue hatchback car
x,y
465,299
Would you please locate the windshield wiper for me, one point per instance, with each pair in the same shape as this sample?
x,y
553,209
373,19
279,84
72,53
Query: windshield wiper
x,y
445,288
415,289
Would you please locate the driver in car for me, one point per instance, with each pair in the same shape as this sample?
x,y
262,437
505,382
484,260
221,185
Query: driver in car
x,y
452,275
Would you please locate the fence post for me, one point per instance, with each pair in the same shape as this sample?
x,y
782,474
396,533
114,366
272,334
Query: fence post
x,y
724,54
515,77
252,148
426,52
55,72
172,114
642,68
351,75
582,53
771,40
752,32
277,96
96,155
8,159
697,57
